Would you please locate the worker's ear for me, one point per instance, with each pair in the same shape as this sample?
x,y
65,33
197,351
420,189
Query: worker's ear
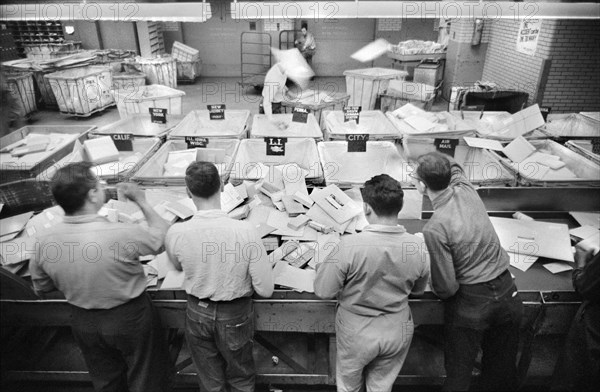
x,y
367,209
187,190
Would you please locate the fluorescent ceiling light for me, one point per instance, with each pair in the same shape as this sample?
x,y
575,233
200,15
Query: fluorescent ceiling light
x,y
412,9
113,11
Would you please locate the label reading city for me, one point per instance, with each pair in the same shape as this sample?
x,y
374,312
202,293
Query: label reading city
x,y
357,142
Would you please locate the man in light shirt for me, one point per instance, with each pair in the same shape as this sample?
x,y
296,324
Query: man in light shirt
x,y
95,264
274,92
225,262
372,275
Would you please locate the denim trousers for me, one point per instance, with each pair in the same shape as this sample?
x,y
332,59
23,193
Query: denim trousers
x,y
371,350
220,338
483,316
124,347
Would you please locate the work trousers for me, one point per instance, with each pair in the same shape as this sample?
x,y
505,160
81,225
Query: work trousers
x,y
220,338
487,316
371,350
124,347
276,108
578,367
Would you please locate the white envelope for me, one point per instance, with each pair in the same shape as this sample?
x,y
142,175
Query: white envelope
x,y
371,51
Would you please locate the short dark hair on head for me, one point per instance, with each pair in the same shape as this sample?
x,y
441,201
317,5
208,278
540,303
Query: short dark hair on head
x,y
434,170
304,25
71,184
202,179
384,195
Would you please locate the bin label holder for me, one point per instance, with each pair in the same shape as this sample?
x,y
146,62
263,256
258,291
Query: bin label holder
x,y
196,141
300,115
216,112
123,141
352,113
275,145
357,142
446,146
158,115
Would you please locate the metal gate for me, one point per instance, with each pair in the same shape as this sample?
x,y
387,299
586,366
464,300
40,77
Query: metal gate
x,y
255,53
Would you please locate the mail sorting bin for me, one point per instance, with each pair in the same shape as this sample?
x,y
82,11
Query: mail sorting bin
x,y
159,70
371,122
21,88
262,127
364,85
198,123
347,169
578,170
142,98
481,167
256,156
444,125
399,93
112,172
128,81
510,101
572,125
30,165
157,172
483,125
317,102
82,91
584,148
140,125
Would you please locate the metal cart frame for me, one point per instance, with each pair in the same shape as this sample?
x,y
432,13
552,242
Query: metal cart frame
x,y
253,73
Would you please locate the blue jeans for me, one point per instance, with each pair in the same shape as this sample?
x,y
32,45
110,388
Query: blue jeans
x,y
220,338
487,316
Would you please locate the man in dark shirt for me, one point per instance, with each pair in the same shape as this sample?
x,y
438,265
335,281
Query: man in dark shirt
x,y
469,270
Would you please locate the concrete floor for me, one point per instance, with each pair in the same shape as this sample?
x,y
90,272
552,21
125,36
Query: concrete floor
x,y
205,91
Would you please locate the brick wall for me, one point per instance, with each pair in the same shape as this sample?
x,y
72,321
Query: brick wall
x,y
389,24
510,69
563,72
278,24
574,79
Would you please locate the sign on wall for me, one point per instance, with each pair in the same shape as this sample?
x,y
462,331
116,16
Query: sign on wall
x,y
527,38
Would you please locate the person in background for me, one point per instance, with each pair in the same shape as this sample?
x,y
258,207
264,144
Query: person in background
x,y
578,368
95,264
225,262
372,276
306,44
469,271
273,93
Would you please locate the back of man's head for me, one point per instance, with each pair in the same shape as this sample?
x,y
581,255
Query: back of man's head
x,y
202,179
384,195
434,170
71,185
304,25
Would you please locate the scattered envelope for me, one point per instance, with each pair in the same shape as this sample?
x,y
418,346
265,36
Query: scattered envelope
x,y
14,224
534,238
557,268
230,198
295,278
419,123
162,264
413,205
173,280
279,220
584,232
483,143
518,149
521,261
587,218
371,51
